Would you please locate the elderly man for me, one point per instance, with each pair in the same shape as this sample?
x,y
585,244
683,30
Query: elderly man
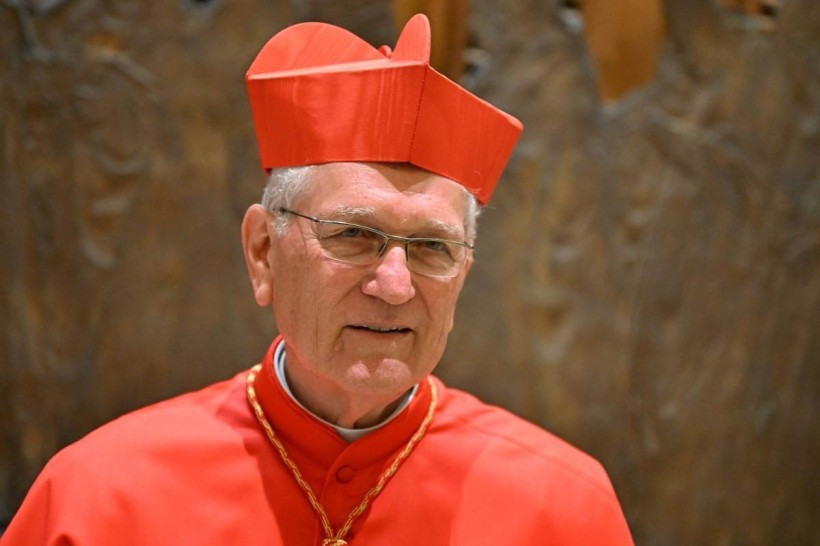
x,y
378,165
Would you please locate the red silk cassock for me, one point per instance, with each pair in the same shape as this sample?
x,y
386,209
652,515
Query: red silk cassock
x,y
198,470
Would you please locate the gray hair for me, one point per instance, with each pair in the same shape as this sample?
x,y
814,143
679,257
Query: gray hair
x,y
286,184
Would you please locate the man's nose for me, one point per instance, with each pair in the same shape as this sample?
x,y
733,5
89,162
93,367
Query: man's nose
x,y
391,280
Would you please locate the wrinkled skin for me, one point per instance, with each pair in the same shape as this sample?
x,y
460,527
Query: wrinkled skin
x,y
358,337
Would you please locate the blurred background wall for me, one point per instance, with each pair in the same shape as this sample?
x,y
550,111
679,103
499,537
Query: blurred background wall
x,y
647,282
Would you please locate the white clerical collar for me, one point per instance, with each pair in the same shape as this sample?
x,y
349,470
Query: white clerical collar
x,y
349,434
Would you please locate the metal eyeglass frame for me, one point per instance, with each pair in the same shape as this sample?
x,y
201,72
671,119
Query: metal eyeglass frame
x,y
387,237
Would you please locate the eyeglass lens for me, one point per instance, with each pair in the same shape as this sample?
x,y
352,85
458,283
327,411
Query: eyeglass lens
x,y
362,246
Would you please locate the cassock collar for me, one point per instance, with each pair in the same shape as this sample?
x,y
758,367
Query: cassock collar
x,y
311,439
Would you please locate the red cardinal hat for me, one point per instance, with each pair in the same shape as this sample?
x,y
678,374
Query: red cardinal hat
x,y
321,94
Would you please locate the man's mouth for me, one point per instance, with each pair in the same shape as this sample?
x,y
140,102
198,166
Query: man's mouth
x,y
381,329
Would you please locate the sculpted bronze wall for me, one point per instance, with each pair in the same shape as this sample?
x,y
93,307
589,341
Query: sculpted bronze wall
x,y
647,283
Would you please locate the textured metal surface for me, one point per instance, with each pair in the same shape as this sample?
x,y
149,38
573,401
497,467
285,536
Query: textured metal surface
x,y
647,281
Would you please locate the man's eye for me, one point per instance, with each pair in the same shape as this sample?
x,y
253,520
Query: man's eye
x,y
344,232
437,247
434,245
351,232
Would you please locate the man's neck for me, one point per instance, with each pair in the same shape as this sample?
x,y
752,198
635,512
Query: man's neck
x,y
352,417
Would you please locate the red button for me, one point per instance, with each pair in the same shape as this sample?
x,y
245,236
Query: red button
x,y
344,474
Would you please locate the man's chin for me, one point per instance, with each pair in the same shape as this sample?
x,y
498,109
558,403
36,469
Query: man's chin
x,y
381,374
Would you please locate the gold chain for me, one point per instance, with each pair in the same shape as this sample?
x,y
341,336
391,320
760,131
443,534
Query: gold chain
x,y
337,539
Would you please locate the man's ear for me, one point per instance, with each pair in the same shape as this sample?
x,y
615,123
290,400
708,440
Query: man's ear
x,y
256,243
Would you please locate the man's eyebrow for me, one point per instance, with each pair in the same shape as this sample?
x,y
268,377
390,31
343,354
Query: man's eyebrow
x,y
353,213
439,228
447,231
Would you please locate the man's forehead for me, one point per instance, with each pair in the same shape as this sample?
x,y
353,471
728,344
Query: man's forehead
x,y
378,192
367,167
369,215
345,177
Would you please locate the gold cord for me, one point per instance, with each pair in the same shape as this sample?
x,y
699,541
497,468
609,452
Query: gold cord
x,y
337,539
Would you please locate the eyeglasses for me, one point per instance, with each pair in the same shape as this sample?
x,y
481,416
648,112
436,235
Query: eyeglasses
x,y
362,245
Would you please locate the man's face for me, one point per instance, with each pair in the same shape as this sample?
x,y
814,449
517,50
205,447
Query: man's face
x,y
376,329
